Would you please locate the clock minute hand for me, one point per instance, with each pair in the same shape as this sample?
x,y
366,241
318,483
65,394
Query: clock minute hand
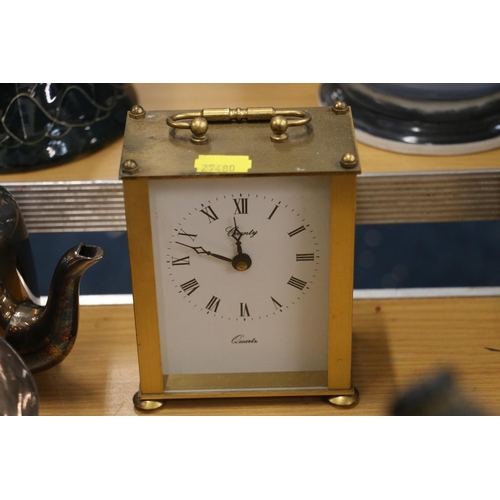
x,y
201,250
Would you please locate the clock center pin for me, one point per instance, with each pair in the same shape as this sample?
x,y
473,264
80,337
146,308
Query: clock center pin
x,y
242,262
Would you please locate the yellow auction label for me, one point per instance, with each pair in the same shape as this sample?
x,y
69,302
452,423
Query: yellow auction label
x,y
222,164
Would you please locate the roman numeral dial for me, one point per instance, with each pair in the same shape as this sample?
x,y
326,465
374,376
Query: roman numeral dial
x,y
241,206
190,286
244,256
297,283
181,261
304,257
296,231
213,304
209,212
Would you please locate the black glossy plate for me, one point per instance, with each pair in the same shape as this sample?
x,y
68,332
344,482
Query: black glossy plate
x,y
428,121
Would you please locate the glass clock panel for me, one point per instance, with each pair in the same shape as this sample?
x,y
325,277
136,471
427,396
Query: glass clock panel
x,y
242,273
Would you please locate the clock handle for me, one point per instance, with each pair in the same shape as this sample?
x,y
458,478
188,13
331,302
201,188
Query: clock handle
x,y
279,120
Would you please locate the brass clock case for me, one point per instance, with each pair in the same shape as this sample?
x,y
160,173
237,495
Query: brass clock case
x,y
256,142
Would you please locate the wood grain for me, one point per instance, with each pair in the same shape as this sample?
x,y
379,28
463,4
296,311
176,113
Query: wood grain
x,y
395,344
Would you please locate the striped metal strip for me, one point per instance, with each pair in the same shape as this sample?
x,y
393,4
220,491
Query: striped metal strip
x,y
366,294
429,197
70,206
79,206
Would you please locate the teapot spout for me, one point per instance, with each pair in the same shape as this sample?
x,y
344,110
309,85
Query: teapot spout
x,y
44,335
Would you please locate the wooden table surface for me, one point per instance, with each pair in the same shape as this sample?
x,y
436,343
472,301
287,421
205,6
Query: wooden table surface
x,y
396,342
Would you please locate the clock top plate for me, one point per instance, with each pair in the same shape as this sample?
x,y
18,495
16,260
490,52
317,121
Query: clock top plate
x,y
317,148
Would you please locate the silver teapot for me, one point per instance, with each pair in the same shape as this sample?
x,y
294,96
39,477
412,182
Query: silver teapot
x,y
42,336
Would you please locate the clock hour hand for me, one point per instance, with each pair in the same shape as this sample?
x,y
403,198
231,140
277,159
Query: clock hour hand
x,y
201,250
236,234
242,261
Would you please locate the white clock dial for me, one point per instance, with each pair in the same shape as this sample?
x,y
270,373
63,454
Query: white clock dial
x,y
227,256
242,273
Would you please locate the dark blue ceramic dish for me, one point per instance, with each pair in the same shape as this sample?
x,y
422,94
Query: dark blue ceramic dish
x,y
422,118
46,124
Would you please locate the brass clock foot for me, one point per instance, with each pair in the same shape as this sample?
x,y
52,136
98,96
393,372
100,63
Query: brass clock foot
x,y
146,404
345,401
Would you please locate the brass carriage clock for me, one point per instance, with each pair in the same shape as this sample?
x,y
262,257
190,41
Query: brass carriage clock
x,y
241,238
